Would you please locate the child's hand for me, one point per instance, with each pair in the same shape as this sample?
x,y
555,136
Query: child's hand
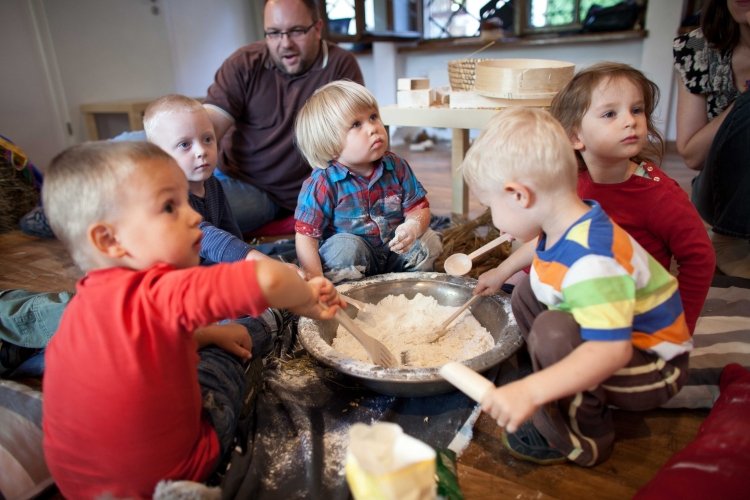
x,y
510,405
232,337
326,300
489,282
404,236
327,293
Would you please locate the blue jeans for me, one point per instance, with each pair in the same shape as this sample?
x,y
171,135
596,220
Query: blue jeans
x,y
256,328
29,319
349,257
251,206
221,376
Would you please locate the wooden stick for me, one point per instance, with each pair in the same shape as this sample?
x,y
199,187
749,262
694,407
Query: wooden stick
x,y
480,50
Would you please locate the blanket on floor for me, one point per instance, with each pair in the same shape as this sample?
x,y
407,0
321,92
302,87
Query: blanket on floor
x,y
722,336
297,442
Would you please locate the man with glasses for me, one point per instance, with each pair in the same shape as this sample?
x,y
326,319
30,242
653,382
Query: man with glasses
x,y
253,103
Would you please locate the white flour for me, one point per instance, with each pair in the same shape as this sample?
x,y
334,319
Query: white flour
x,y
405,325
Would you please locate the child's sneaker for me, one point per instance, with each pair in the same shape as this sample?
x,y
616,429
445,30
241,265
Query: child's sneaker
x,y
528,444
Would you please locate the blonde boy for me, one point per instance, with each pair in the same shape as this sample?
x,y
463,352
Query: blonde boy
x,y
127,401
181,126
601,318
362,211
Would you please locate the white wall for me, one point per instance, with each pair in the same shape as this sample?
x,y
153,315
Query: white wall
x,y
29,111
202,34
109,50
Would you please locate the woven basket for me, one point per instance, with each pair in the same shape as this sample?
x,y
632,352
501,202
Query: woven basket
x,y
18,193
462,73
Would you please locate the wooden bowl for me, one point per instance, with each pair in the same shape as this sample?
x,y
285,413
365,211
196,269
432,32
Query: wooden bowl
x,y
522,78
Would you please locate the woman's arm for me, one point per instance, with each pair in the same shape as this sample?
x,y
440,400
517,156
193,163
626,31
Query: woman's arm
x,y
694,132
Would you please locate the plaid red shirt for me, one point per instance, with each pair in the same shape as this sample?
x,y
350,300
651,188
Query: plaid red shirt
x,y
335,200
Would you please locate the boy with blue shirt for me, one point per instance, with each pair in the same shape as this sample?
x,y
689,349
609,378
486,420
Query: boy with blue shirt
x,y
181,126
602,319
362,211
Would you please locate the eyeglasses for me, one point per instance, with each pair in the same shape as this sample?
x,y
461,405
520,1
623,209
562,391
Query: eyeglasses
x,y
293,33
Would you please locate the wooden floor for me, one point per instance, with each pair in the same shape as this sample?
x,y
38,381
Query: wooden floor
x,y
486,470
433,170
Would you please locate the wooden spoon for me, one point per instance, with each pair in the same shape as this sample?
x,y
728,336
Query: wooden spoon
x,y
358,304
459,264
445,324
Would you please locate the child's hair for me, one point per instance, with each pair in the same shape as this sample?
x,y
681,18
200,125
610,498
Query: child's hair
x,y
572,102
165,105
81,186
321,125
521,144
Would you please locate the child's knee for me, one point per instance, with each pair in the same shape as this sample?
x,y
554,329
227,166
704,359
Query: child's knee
x,y
553,336
344,250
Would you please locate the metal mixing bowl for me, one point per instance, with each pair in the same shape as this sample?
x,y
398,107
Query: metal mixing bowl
x,y
492,312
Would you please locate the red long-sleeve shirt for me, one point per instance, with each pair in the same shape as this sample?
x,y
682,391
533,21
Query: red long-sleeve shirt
x,y
657,212
122,405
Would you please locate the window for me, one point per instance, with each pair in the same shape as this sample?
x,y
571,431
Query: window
x,y
461,18
351,20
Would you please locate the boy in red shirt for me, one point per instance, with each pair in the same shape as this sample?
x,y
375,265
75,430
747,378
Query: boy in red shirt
x,y
128,399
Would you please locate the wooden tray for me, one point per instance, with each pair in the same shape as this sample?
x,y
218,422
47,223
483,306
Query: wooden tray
x,y
522,78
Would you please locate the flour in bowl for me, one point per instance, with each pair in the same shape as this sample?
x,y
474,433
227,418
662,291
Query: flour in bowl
x,y
408,325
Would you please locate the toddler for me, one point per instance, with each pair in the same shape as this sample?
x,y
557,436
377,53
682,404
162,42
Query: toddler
x,y
607,111
602,319
180,126
362,211
127,400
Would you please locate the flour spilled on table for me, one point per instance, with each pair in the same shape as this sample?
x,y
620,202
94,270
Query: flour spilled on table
x,y
408,325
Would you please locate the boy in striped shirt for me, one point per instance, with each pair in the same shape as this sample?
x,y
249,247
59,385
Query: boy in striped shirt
x,y
602,320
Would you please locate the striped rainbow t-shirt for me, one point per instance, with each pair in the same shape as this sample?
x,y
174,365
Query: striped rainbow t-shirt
x,y
613,288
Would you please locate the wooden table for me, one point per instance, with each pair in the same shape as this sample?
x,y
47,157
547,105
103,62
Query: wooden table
x,y
460,121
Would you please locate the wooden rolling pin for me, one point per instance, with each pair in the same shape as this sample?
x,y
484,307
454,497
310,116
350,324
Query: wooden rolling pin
x,y
466,380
